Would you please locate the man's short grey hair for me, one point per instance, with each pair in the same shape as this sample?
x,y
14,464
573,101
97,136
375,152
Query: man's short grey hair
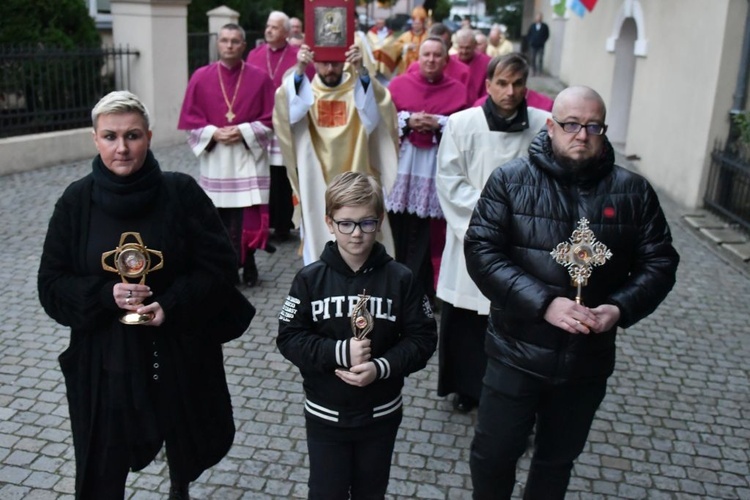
x,y
465,34
120,101
234,27
283,17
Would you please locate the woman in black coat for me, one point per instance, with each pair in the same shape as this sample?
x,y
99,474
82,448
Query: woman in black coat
x,y
133,387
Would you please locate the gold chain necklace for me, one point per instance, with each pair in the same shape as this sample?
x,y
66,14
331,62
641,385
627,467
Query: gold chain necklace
x,y
268,61
230,114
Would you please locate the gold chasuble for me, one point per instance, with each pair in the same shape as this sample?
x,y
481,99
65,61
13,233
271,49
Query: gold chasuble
x,y
386,53
408,44
338,137
332,139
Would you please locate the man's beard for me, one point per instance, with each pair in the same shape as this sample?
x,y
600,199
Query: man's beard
x,y
576,166
572,164
336,80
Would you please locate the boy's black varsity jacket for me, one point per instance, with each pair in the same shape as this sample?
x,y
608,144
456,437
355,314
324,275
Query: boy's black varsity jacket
x,y
315,332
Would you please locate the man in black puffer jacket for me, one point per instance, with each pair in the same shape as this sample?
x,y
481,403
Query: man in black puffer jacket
x,y
549,356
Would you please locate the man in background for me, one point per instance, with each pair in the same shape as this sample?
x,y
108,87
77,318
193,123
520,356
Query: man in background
x,y
481,39
276,56
227,113
295,27
476,63
424,100
475,142
409,41
498,44
384,49
536,38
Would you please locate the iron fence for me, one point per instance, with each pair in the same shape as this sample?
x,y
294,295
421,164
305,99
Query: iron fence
x,y
728,189
43,89
201,50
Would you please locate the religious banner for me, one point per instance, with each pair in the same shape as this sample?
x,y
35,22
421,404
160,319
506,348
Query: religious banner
x,y
330,30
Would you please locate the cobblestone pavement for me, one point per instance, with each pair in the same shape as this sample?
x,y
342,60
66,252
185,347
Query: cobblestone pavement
x,y
675,423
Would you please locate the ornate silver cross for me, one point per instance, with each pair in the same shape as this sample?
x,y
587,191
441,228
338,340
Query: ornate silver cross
x,y
580,254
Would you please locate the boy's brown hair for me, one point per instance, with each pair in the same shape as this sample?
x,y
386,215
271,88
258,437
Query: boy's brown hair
x,y
353,189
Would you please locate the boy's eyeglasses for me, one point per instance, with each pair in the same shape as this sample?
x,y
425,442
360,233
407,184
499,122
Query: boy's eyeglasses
x,y
574,128
348,226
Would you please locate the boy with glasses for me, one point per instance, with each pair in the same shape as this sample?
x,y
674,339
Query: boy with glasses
x,y
355,323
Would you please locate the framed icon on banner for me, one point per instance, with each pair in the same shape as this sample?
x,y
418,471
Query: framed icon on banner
x,y
329,28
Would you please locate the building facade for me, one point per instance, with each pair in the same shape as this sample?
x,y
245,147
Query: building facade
x,y
667,70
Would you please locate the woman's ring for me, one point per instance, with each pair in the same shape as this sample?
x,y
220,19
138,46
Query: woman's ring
x,y
130,293
127,301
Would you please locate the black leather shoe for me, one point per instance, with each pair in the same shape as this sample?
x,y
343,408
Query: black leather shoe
x,y
179,492
250,270
270,248
463,403
281,235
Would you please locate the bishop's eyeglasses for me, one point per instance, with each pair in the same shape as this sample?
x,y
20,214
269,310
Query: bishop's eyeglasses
x,y
348,226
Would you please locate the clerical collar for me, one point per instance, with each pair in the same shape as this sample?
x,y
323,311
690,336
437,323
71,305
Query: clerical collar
x,y
496,123
510,118
437,79
279,48
230,67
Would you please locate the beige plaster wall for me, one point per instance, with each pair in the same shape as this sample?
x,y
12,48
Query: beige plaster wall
x,y
159,74
28,152
682,90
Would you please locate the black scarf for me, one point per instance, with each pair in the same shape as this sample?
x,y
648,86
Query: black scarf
x,y
497,123
129,196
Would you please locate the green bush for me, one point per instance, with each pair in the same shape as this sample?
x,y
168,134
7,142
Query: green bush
x,y
50,83
61,23
742,123
253,14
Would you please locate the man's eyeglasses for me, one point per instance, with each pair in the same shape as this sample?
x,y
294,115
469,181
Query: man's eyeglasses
x,y
574,128
348,226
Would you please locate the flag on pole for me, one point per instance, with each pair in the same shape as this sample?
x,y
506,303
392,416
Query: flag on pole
x,y
558,7
577,7
589,4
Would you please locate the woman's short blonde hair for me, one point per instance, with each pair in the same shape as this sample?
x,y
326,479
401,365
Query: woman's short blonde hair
x,y
353,189
120,101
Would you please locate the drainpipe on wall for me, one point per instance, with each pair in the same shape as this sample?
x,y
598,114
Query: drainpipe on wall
x,y
740,91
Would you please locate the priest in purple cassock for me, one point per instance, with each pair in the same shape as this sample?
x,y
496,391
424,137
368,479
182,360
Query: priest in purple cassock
x,y
277,56
475,62
227,113
453,68
424,100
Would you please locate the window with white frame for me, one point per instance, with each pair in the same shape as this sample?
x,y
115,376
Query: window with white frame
x,y
100,10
